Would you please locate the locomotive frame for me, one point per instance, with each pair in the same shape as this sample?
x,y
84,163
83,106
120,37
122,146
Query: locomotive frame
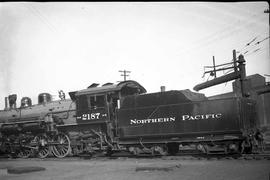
x,y
116,117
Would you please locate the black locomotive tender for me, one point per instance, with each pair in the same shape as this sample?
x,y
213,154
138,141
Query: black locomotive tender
x,y
117,117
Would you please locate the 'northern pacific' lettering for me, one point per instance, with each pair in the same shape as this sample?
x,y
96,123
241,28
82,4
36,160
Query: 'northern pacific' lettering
x,y
203,116
154,120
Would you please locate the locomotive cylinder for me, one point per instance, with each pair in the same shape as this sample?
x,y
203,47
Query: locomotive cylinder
x,y
32,127
10,129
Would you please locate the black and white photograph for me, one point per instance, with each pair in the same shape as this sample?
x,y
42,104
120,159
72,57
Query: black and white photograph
x,y
134,90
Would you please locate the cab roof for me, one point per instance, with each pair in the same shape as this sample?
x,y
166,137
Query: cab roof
x,y
109,87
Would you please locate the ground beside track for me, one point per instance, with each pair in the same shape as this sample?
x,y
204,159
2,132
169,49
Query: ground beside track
x,y
122,168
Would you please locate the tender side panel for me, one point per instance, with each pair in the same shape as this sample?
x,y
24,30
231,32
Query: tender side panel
x,y
179,120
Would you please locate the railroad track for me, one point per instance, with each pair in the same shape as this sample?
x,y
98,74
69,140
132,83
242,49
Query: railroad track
x,y
182,156
186,156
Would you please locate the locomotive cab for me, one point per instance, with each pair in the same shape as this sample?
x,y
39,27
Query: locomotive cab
x,y
96,108
98,104
92,108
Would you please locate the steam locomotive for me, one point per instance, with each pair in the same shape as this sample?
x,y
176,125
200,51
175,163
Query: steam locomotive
x,y
123,117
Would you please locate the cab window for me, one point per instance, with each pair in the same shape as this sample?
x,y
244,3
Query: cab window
x,y
82,102
97,102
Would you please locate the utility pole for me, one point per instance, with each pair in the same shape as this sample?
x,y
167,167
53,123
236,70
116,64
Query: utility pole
x,y
243,76
234,60
125,74
214,66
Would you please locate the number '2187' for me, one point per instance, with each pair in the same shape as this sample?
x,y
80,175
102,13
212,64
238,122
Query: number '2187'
x,y
90,116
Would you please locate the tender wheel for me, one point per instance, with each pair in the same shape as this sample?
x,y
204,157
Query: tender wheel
x,y
233,148
159,150
61,147
43,147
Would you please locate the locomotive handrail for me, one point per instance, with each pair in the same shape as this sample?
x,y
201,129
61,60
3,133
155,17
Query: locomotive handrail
x,y
22,122
206,134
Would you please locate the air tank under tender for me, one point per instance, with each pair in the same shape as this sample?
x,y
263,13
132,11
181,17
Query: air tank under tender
x,y
26,102
44,98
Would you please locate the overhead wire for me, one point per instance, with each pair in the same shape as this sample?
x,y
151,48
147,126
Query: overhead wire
x,y
36,12
246,45
253,49
262,40
249,43
224,33
252,46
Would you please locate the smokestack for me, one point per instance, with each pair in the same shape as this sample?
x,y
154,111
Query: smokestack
x,y
162,88
6,104
12,101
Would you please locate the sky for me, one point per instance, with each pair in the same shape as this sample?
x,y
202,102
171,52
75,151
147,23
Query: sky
x,y
52,46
